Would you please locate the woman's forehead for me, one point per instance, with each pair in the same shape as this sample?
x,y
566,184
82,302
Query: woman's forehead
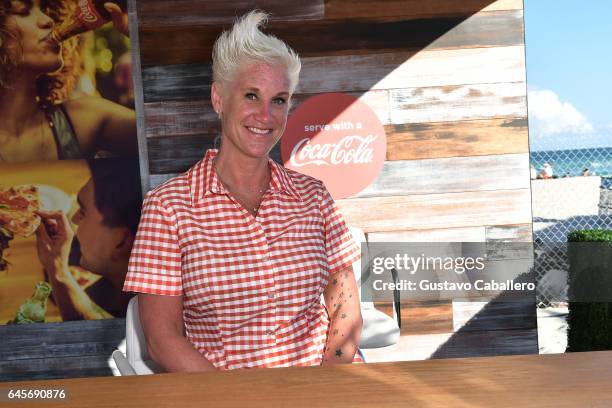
x,y
16,5
263,75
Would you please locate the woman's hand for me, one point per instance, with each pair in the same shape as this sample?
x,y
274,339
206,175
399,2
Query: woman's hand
x,y
119,17
343,306
53,239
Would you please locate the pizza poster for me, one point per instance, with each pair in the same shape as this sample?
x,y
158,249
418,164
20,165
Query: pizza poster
x,y
66,229
69,181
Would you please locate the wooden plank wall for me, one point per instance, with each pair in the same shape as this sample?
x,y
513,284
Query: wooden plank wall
x,y
446,78
59,350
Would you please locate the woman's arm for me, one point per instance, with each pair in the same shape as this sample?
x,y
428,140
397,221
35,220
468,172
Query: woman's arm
x,y
342,302
162,321
53,239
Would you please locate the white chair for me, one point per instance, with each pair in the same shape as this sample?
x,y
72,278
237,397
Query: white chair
x,y
379,329
138,361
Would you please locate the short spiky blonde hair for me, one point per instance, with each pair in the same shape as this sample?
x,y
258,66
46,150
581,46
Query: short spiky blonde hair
x,y
246,43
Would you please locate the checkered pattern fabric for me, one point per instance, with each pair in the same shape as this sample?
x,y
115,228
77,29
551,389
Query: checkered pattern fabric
x,y
251,286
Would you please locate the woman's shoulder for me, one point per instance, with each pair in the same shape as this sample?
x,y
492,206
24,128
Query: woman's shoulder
x,y
86,102
175,189
304,183
100,124
87,106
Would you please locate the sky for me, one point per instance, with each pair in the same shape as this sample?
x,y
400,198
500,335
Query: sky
x,y
569,73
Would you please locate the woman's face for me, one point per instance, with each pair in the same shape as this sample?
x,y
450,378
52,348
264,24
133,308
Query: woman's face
x,y
32,26
254,107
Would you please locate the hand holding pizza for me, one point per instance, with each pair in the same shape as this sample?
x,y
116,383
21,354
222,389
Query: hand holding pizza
x,y
53,239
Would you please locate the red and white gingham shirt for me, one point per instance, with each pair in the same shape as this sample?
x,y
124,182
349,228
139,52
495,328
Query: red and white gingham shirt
x,y
251,287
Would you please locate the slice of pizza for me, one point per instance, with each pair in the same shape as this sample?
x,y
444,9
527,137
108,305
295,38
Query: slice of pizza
x,y
18,210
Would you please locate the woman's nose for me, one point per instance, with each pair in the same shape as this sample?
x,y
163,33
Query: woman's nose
x,y
44,21
264,113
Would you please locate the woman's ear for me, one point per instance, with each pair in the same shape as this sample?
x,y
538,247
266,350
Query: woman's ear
x,y
215,97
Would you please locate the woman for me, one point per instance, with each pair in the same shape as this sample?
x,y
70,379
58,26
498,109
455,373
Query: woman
x,y
37,75
231,257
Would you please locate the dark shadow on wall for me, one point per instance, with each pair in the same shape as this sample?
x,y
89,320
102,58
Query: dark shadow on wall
x,y
507,325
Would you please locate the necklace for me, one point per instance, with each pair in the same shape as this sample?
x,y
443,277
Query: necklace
x,y
244,195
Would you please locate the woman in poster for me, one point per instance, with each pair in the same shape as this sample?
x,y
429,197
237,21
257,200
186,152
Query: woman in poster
x,y
37,76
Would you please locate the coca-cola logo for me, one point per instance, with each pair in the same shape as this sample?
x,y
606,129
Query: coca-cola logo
x,y
88,13
349,149
338,139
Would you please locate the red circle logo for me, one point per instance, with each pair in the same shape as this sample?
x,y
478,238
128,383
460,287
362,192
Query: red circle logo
x,y
338,139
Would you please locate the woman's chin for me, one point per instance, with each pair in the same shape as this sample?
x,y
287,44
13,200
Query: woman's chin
x,y
50,67
261,150
263,146
57,66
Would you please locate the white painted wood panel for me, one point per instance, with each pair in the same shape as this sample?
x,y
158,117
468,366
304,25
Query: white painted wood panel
x,y
433,211
412,70
454,174
458,102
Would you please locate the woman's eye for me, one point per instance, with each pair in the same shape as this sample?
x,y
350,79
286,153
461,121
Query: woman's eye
x,y
251,96
19,8
24,12
280,101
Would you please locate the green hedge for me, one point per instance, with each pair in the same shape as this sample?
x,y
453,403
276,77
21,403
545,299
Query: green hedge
x,y
590,323
590,236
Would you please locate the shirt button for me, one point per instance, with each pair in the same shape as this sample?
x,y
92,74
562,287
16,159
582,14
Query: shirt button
x,y
271,295
269,332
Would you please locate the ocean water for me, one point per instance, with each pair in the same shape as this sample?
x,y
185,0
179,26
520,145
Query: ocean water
x,y
572,162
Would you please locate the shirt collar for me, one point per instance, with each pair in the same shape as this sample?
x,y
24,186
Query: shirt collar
x,y
203,179
281,181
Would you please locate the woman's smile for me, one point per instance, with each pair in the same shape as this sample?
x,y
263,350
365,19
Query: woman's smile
x,y
259,131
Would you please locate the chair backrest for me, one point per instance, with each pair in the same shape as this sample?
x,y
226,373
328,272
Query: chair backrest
x,y
360,266
136,344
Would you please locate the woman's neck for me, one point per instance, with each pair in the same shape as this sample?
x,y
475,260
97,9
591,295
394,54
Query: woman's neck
x,y
18,106
246,173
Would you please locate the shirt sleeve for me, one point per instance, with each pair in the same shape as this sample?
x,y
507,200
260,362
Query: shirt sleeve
x,y
340,247
155,260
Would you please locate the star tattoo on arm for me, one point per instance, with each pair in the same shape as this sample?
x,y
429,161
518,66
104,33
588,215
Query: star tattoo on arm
x,y
339,353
